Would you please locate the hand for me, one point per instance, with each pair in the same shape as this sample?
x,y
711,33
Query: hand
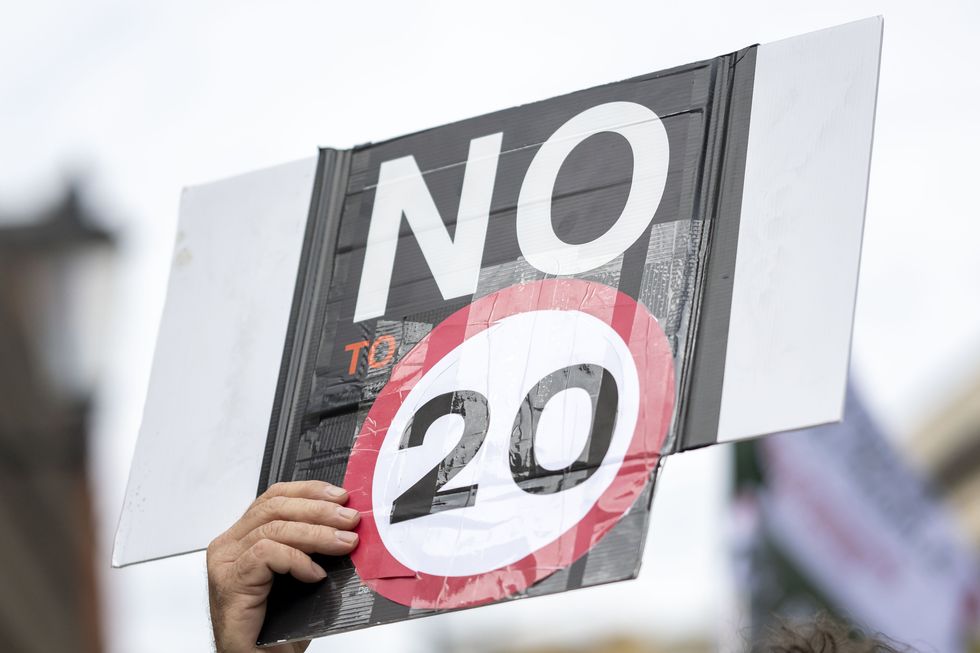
x,y
274,536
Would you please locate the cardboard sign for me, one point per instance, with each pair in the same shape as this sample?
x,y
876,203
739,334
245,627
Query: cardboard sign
x,y
500,338
498,328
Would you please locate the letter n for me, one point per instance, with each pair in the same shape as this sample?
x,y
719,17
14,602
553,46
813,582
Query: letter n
x,y
455,262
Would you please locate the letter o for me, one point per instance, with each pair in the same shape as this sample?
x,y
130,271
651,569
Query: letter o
x,y
536,236
390,346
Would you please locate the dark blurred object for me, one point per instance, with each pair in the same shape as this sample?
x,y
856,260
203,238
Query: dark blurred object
x,y
48,266
948,447
622,644
834,519
825,634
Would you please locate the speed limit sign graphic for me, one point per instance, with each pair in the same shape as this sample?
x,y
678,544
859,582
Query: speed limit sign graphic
x,y
508,442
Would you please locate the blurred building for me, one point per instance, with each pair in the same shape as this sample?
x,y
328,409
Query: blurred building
x,y
948,448
48,261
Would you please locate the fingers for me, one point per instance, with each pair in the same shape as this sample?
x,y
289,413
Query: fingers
x,y
305,490
319,504
258,565
309,538
276,535
282,508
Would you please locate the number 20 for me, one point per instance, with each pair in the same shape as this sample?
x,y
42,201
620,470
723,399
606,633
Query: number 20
x,y
424,496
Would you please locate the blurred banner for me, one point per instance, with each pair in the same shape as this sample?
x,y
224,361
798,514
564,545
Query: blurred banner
x,y
833,518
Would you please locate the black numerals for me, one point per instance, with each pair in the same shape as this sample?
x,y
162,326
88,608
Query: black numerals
x,y
600,385
424,498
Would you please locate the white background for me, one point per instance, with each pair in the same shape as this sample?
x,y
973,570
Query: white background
x,y
148,97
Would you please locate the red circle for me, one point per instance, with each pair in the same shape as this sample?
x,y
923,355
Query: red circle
x,y
376,566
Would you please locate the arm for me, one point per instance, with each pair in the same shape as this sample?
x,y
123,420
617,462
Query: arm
x,y
274,536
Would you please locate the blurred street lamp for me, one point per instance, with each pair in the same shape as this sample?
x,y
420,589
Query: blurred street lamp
x,y
55,273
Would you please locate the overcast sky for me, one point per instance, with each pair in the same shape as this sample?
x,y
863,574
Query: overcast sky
x,y
144,98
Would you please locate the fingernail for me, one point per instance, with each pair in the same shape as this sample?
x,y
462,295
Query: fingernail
x,y
335,492
318,571
347,513
346,537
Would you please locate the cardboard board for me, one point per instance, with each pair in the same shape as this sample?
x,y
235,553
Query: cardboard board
x,y
493,332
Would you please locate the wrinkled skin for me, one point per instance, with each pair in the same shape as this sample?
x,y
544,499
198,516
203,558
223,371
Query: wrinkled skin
x,y
274,536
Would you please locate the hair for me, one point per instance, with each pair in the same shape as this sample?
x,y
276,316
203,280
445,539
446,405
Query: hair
x,y
824,634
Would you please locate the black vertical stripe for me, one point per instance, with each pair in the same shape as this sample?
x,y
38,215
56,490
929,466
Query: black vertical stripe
x,y
306,316
700,419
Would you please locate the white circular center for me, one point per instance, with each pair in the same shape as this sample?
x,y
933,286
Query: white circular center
x,y
505,523
563,429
